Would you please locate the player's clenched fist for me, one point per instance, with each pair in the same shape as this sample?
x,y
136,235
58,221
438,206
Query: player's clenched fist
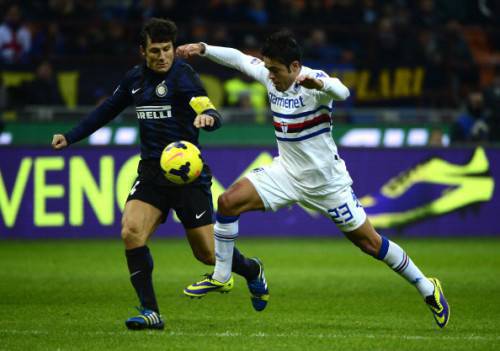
x,y
59,142
202,121
190,50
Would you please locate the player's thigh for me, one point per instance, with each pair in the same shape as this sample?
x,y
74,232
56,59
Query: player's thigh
x,y
341,206
201,240
145,209
238,198
271,187
140,219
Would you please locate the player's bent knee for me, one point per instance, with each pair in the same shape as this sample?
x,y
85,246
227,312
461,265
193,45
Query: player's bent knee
x,y
226,205
132,236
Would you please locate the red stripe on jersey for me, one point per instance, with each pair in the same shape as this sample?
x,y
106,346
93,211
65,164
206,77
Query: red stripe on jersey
x,y
297,127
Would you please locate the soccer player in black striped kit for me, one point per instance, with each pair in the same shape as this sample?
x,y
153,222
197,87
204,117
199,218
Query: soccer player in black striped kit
x,y
171,105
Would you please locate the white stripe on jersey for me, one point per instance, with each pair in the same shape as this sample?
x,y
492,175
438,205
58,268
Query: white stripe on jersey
x,y
153,108
322,108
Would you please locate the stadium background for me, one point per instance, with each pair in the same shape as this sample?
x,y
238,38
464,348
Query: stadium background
x,y
425,86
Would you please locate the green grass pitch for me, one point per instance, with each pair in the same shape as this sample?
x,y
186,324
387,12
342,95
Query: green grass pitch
x,y
325,295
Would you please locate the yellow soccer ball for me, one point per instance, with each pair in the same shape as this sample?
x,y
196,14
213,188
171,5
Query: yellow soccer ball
x,y
181,162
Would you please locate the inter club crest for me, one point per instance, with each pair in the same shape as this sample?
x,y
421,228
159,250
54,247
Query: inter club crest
x,y
161,89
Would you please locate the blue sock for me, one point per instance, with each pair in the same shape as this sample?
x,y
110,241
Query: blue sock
x,y
140,266
243,266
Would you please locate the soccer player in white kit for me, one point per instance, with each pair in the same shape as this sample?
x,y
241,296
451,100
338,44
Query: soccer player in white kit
x,y
308,169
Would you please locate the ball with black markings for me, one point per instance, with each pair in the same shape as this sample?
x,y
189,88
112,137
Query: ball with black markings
x,y
181,162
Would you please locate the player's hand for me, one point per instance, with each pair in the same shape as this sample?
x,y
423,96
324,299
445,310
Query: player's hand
x,y
202,121
189,50
59,142
309,82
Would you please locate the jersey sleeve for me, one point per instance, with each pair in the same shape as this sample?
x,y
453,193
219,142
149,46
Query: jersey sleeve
x,y
104,113
190,86
229,57
332,86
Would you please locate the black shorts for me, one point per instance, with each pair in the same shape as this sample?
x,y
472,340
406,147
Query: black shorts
x,y
192,202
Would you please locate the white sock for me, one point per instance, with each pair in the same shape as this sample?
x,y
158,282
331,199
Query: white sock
x,y
395,257
225,232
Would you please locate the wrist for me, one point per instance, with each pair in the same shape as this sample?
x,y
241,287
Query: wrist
x,y
67,138
203,48
320,84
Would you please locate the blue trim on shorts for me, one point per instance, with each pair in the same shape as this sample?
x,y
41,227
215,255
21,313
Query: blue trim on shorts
x,y
226,219
383,249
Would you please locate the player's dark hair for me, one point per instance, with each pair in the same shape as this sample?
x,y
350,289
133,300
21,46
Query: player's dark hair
x,y
159,30
282,47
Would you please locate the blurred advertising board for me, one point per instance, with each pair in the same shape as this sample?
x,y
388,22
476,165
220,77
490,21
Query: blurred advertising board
x,y
80,192
119,133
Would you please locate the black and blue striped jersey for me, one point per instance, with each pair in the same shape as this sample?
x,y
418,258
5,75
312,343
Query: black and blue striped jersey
x,y
162,107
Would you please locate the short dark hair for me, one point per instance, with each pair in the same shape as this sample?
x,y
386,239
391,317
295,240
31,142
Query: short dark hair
x,y
282,47
159,30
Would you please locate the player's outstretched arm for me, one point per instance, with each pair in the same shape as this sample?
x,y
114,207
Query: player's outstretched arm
x,y
59,142
190,50
101,115
331,86
228,57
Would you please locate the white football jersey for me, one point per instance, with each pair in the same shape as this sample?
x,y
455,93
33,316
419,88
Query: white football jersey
x,y
302,120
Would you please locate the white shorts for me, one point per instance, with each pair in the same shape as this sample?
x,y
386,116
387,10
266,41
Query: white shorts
x,y
277,189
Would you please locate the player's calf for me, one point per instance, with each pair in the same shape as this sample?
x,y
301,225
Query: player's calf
x,y
366,239
204,256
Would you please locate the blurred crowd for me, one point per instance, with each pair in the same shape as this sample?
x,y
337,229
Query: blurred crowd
x,y
353,31
480,120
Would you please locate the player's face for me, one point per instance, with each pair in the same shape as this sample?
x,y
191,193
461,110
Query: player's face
x,y
158,56
281,75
